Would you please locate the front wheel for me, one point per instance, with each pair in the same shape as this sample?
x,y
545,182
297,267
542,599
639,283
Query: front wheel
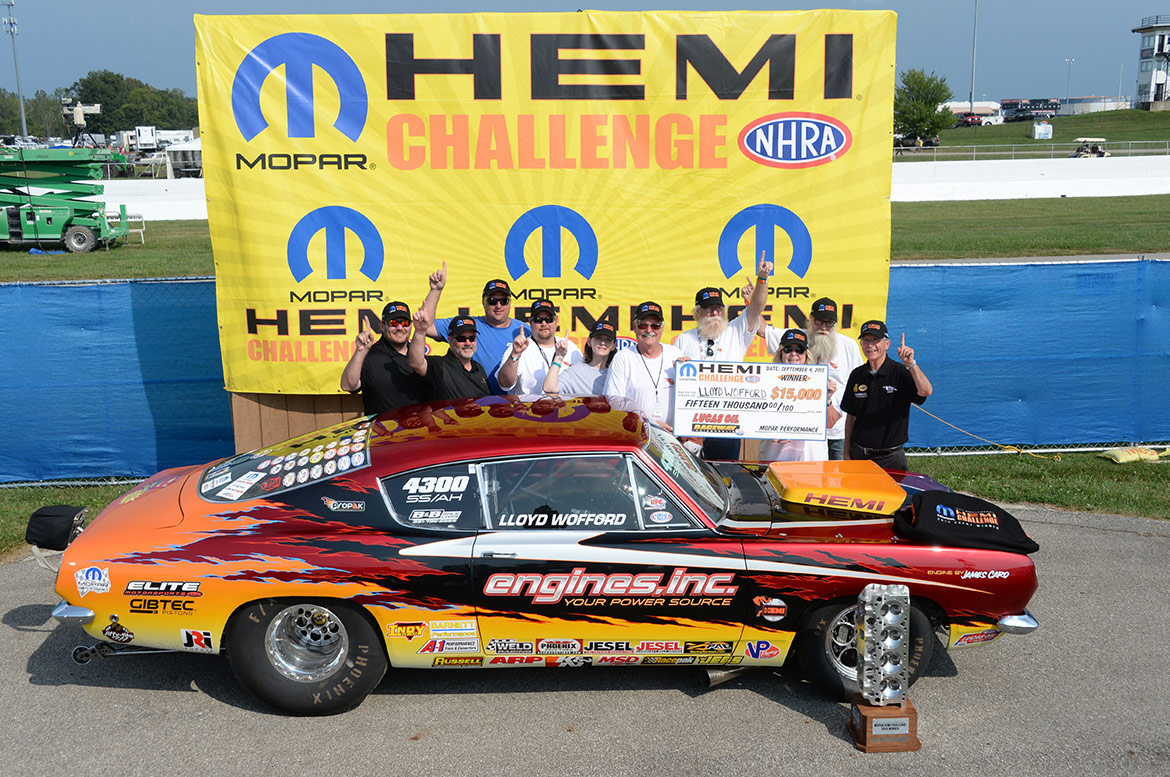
x,y
79,239
309,657
827,649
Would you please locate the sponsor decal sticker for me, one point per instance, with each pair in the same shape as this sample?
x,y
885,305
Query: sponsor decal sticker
x,y
661,517
216,482
358,459
162,588
654,503
670,660
452,661
450,646
517,660
770,608
617,660
608,646
977,637
659,646
569,661
409,630
339,506
197,641
511,646
92,580
547,646
461,628
707,647
162,606
649,587
116,632
761,649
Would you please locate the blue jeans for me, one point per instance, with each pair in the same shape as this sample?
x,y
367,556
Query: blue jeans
x,y
837,449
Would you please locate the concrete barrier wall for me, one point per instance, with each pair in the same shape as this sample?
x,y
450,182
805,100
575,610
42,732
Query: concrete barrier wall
x,y
183,198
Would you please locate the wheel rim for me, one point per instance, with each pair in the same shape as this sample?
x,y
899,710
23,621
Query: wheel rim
x,y
306,643
841,644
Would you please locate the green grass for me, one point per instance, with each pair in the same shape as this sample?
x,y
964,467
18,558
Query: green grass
x,y
17,504
1048,227
1079,481
1114,126
172,248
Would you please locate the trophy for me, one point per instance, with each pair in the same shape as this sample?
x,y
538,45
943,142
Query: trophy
x,y
882,719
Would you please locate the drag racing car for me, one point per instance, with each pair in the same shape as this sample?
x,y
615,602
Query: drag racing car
x,y
495,532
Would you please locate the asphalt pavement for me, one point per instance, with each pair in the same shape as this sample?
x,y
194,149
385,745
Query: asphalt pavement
x,y
1087,694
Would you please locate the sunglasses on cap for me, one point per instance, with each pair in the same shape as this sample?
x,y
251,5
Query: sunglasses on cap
x,y
649,325
499,301
465,338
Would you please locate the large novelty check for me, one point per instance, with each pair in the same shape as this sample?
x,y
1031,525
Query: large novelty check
x,y
749,399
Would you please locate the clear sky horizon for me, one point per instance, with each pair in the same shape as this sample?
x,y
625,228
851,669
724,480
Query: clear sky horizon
x,y
1021,47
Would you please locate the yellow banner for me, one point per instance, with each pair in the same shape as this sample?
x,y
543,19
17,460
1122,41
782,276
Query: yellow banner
x,y
599,159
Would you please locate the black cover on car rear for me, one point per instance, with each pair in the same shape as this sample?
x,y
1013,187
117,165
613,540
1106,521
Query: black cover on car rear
x,y
51,527
958,520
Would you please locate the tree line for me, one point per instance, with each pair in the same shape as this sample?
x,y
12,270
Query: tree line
x,y
126,103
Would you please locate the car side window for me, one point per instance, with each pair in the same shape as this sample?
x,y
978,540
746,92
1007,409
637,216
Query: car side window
x,y
659,508
583,493
443,497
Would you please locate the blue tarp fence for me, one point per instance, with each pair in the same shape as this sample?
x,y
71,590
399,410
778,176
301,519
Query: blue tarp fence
x,y
125,378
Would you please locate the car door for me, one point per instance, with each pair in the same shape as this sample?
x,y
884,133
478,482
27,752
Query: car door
x,y
589,559
438,512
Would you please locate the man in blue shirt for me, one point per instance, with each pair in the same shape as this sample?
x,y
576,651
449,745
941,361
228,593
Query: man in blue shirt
x,y
496,329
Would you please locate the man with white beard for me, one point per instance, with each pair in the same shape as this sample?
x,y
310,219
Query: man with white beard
x,y
715,339
834,350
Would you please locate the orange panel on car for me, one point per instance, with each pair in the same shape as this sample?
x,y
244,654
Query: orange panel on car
x,y
861,486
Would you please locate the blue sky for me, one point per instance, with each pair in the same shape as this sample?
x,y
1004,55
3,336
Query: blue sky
x,y
1022,46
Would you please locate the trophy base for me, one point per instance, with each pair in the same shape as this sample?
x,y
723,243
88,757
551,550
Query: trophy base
x,y
892,729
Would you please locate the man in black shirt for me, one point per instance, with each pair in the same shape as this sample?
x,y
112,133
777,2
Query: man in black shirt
x,y
456,374
380,367
877,400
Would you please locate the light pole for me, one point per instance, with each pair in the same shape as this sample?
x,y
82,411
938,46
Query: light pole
x,y
974,29
10,28
1068,83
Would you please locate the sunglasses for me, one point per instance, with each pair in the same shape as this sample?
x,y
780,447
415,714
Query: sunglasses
x,y
649,325
398,323
465,338
498,301
542,320
793,349
710,347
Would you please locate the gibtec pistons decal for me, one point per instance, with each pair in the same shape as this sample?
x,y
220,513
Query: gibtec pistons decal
x,y
681,588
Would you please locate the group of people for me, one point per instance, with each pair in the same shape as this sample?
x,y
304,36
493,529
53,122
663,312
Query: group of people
x,y
869,395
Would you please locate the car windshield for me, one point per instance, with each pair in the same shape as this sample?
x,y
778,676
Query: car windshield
x,y
698,478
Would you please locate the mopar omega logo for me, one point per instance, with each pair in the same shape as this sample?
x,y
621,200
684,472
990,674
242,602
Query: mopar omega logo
x,y
687,370
795,140
550,220
335,220
298,52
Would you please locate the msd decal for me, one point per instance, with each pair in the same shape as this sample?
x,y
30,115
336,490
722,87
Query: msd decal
x,y
795,140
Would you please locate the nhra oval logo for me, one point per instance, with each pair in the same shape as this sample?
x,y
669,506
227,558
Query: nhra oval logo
x,y
795,140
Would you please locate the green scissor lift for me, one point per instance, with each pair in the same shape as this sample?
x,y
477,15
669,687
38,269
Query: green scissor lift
x,y
41,190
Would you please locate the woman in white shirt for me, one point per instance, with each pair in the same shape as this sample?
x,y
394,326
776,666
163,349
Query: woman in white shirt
x,y
793,349
585,378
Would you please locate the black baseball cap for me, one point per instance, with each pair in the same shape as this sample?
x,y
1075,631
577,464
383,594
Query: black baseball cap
x,y
709,297
874,328
825,309
460,325
496,285
395,310
649,309
603,329
794,338
543,306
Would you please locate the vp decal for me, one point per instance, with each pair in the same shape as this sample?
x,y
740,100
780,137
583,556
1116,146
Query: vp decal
x,y
298,52
335,220
795,140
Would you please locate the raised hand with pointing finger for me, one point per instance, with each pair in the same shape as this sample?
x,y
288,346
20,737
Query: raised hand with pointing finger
x,y
906,353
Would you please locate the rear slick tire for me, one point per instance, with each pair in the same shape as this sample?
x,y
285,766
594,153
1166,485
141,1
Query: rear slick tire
x,y
827,649
306,656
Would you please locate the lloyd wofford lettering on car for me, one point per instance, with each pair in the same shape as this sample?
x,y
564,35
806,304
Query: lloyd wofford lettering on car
x,y
558,520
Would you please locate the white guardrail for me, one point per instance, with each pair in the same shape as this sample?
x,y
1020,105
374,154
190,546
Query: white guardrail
x,y
926,180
